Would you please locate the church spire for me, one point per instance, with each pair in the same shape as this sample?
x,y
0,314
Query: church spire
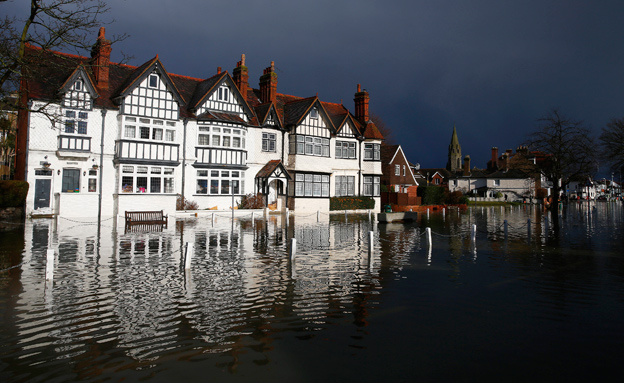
x,y
454,153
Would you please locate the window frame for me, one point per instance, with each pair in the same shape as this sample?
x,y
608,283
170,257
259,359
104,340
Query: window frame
x,y
311,185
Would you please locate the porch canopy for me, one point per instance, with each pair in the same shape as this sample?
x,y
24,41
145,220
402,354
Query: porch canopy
x,y
273,170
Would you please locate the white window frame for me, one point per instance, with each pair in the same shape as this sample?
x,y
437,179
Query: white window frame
x,y
397,170
311,185
269,142
345,186
346,150
131,174
372,152
219,182
372,186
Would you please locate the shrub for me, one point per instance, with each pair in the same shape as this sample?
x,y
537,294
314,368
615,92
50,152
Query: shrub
x,y
351,203
184,204
455,197
13,193
498,194
251,201
432,195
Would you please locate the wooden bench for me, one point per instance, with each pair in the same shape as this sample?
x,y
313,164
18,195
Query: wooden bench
x,y
146,218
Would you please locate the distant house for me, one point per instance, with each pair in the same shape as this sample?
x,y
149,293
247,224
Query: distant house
x,y
123,137
397,177
435,176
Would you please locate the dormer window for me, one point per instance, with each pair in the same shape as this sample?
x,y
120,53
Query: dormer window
x,y
314,113
153,81
78,85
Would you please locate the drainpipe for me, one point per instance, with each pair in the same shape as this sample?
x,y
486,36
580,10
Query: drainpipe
x,y
360,170
185,122
30,105
101,167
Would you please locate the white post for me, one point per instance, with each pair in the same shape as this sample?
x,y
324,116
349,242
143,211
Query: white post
x,y
293,248
427,213
188,254
266,212
443,210
370,214
318,216
253,219
473,233
429,242
345,215
287,213
212,219
370,243
50,265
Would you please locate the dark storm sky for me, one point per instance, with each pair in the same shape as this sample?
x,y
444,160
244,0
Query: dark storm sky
x,y
490,67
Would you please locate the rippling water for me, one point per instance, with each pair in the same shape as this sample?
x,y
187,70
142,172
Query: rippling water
x,y
545,301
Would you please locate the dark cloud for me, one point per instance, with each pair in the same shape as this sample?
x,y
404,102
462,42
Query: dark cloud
x,y
490,67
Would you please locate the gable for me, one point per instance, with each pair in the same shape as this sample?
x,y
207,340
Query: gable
x,y
78,91
152,96
347,130
314,121
224,97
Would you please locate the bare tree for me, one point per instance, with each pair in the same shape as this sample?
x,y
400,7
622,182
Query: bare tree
x,y
384,129
612,144
568,150
50,25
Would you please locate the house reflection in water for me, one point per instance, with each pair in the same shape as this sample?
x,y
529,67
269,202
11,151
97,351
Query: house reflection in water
x,y
127,291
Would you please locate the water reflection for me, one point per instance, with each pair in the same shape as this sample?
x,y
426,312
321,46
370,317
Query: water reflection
x,y
122,304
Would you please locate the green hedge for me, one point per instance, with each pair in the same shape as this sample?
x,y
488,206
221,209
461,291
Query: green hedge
x,y
13,193
351,203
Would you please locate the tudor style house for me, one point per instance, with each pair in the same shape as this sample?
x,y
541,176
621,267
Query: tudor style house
x,y
101,138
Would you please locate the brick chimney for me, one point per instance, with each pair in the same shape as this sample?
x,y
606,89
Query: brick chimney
x,y
495,158
361,105
241,77
268,84
466,166
100,54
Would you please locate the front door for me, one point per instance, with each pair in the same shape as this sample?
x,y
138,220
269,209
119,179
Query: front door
x,y
42,193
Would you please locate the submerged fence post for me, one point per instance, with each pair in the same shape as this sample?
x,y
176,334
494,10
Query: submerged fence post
x,y
293,248
318,216
505,225
49,265
427,213
253,219
473,233
370,243
188,254
429,242
212,219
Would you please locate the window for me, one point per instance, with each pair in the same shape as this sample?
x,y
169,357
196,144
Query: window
x,y
223,182
78,85
345,149
397,170
145,132
496,182
311,185
149,129
314,113
129,131
147,179
157,134
224,93
403,170
345,186
310,146
170,135
71,181
269,142
92,181
371,186
153,81
76,122
203,137
371,152
436,181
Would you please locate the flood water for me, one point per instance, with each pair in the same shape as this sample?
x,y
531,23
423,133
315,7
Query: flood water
x,y
545,302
